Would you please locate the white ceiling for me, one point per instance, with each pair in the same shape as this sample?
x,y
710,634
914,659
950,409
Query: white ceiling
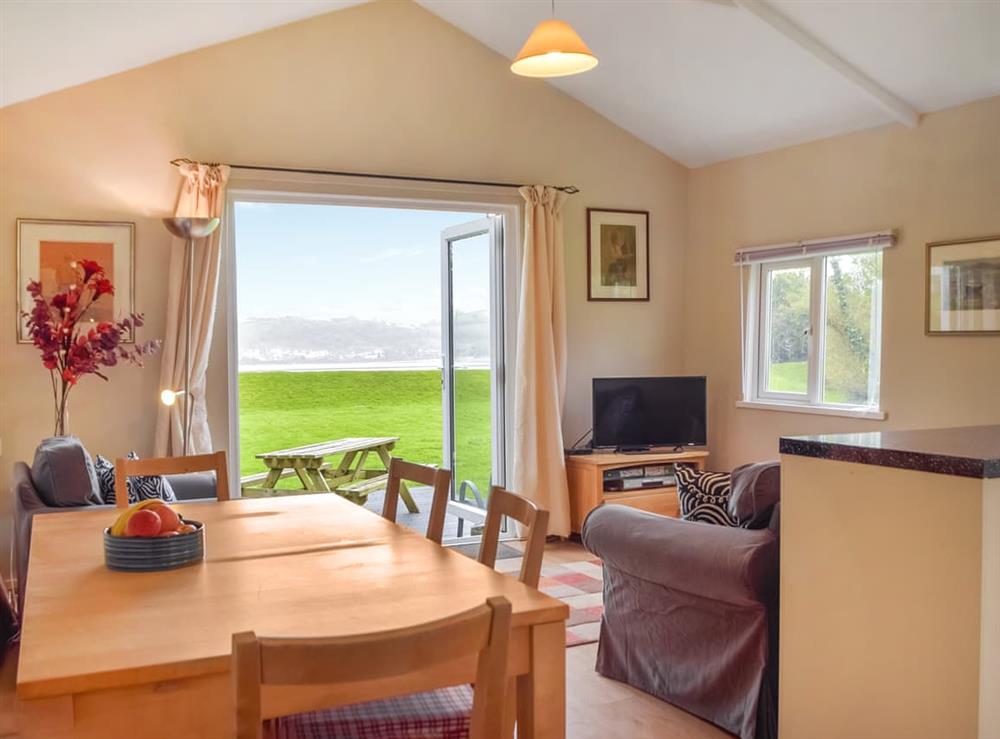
x,y
48,45
700,80
704,81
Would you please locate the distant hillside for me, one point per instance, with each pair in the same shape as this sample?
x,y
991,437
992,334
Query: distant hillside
x,y
292,339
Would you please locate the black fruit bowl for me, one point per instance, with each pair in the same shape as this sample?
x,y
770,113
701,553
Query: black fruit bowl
x,y
141,554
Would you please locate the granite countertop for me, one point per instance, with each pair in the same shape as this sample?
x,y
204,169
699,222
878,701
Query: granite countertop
x,y
966,451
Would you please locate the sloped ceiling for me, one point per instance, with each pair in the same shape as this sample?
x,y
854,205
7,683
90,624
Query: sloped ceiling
x,y
48,45
704,80
700,80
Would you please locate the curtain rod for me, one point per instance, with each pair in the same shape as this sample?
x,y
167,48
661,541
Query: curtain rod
x,y
568,189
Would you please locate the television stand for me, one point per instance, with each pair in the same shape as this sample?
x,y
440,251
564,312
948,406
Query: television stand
x,y
629,449
640,480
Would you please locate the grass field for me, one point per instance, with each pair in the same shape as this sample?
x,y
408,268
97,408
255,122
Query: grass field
x,y
284,409
790,377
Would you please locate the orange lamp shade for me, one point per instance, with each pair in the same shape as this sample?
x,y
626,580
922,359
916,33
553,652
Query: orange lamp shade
x,y
553,49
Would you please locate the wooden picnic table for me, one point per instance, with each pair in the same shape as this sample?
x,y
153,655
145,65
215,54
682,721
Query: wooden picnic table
x,y
318,474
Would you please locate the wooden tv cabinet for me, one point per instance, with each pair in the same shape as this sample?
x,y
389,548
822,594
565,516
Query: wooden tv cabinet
x,y
585,475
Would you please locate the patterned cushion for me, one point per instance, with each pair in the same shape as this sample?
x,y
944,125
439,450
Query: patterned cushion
x,y
438,714
105,470
704,496
139,488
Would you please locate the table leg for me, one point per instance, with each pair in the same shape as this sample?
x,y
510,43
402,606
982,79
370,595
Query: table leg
x,y
319,482
404,493
541,693
407,497
359,470
307,483
273,475
344,468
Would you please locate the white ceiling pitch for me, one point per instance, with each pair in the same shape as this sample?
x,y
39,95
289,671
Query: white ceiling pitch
x,y
900,109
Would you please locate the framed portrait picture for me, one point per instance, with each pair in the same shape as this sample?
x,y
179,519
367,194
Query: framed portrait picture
x,y
618,254
48,251
963,286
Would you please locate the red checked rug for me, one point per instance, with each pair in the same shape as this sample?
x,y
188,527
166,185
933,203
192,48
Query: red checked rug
x,y
578,584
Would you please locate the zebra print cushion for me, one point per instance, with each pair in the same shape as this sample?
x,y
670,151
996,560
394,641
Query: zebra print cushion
x,y
139,488
704,496
105,469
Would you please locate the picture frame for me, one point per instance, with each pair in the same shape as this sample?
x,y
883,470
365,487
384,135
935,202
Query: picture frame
x,y
617,254
47,248
963,287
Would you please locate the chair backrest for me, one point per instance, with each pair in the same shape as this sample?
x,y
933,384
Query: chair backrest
x,y
126,468
438,478
536,525
483,631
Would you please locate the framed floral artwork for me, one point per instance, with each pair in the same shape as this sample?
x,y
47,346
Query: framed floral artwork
x,y
963,286
617,254
49,251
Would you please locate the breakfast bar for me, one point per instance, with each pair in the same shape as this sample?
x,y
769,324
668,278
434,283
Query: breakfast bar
x,y
890,585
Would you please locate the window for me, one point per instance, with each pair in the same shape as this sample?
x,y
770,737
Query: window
x,y
813,328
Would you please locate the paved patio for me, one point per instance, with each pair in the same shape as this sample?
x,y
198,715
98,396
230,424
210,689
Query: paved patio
x,y
417,521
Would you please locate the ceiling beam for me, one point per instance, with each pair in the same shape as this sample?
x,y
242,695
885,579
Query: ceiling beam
x,y
899,108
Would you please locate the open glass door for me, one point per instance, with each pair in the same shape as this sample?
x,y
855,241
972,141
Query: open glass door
x,y
472,365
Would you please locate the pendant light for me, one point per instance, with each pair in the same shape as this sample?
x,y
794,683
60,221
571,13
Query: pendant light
x,y
553,49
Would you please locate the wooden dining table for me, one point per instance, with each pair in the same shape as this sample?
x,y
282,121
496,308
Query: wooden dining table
x,y
122,654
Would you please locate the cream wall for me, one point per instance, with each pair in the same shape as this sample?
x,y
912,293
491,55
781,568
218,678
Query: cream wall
x,y
390,87
381,87
937,181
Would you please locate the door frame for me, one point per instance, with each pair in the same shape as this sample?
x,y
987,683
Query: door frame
x,y
225,344
487,226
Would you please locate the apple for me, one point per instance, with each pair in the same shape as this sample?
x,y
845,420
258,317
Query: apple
x,y
143,523
169,520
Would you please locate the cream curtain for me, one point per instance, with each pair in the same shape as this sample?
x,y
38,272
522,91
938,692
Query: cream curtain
x,y
540,373
202,193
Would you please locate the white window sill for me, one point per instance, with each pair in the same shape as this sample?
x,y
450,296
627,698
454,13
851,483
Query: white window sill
x,y
873,414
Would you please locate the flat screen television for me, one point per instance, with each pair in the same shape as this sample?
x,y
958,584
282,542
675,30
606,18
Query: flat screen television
x,y
637,412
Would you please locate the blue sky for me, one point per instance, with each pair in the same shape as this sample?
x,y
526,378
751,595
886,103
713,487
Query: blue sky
x,y
326,261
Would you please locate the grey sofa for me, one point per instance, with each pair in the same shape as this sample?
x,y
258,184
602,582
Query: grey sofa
x,y
691,609
28,504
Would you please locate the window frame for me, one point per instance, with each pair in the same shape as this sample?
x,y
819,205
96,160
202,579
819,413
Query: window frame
x,y
757,342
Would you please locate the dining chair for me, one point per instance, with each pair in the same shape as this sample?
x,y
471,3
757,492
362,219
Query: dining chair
x,y
214,462
391,656
535,521
438,478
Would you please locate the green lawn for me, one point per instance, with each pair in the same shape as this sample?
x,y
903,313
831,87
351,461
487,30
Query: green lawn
x,y
283,409
790,377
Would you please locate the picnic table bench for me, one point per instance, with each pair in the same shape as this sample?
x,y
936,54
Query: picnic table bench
x,y
349,477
